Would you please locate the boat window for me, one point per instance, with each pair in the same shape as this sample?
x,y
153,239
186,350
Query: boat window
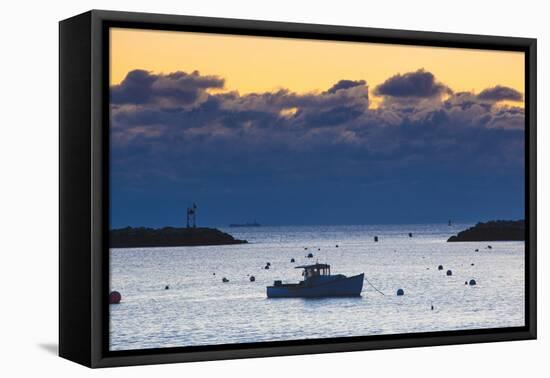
x,y
315,271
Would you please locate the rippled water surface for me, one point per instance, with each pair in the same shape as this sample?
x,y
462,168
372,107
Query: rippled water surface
x,y
198,309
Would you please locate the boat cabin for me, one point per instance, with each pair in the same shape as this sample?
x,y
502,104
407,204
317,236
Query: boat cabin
x,y
315,270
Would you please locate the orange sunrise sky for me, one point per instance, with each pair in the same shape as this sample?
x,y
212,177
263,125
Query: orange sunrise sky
x,y
260,64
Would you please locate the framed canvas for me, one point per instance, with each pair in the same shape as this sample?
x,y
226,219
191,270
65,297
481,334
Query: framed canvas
x,y
234,188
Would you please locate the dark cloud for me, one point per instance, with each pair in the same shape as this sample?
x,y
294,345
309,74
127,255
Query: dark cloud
x,y
141,87
500,93
345,84
135,88
417,84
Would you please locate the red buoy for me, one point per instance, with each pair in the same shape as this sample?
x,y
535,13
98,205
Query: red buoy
x,y
114,297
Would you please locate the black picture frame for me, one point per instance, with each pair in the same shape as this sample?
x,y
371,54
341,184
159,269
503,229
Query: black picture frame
x,y
84,199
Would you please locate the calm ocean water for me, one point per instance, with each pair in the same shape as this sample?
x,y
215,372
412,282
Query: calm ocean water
x,y
198,309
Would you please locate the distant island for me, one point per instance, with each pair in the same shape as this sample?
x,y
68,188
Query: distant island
x,y
136,237
253,224
499,230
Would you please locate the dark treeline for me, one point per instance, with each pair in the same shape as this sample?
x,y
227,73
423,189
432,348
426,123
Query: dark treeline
x,y
499,230
131,237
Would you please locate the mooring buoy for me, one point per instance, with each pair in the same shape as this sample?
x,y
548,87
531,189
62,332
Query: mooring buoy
x,y
114,297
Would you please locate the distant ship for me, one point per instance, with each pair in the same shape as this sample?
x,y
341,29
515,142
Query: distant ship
x,y
253,224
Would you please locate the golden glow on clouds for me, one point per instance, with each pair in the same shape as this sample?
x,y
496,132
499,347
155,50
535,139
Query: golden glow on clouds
x,y
259,64
289,112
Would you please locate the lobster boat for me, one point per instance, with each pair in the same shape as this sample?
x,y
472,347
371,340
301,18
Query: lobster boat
x,y
318,283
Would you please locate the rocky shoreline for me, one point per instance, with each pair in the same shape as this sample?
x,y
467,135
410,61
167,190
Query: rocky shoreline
x,y
136,237
499,230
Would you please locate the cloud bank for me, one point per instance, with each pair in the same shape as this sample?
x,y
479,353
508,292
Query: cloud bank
x,y
179,128
177,111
